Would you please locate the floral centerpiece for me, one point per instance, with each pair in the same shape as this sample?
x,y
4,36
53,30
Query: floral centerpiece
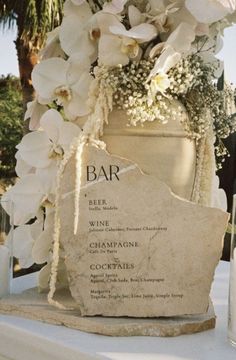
x,y
138,56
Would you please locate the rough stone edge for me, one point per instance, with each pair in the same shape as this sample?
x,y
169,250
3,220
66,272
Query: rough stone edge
x,y
170,327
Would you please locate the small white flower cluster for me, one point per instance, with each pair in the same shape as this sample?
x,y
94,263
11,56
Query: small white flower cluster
x,y
131,93
191,82
185,75
207,106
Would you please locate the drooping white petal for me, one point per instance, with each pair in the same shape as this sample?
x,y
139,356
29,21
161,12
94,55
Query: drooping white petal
x,y
48,177
79,63
68,132
135,16
34,149
22,168
77,106
26,196
42,246
34,112
22,245
142,32
165,62
37,227
209,11
52,47
74,37
182,38
51,122
181,16
49,75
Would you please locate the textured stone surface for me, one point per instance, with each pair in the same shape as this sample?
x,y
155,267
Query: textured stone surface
x,y
140,250
32,305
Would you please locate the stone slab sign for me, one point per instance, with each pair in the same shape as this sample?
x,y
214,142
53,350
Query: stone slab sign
x,y
140,250
33,305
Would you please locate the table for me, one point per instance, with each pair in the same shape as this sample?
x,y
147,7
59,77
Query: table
x,y
22,339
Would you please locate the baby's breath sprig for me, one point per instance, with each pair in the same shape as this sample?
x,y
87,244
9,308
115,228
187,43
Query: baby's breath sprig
x,y
191,81
131,91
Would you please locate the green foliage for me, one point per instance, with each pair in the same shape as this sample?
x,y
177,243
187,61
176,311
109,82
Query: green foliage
x,y
11,115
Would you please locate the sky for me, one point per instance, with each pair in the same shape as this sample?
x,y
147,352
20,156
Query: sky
x,y
8,59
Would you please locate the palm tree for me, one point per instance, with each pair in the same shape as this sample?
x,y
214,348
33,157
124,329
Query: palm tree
x,y
33,19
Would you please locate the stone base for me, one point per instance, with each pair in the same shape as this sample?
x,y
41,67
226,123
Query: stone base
x,y
33,305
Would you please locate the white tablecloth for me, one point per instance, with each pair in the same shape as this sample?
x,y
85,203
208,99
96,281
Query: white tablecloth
x,y
22,339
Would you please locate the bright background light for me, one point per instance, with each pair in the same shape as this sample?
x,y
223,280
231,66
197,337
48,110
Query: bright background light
x,y
8,58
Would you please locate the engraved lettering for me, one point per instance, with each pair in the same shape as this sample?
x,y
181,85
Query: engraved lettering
x,y
109,175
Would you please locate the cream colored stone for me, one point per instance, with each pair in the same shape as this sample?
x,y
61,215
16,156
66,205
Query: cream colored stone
x,y
162,251
32,305
162,150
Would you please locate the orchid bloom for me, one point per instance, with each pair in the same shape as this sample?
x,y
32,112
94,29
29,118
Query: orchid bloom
x,y
34,112
66,82
52,47
178,43
22,168
24,237
158,14
118,45
27,196
159,83
213,10
41,148
79,31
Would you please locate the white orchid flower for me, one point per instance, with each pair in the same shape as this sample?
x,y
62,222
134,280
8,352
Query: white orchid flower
x,y
118,45
42,148
79,31
55,79
114,6
209,11
182,38
53,46
159,13
24,237
26,197
22,168
34,112
178,43
159,83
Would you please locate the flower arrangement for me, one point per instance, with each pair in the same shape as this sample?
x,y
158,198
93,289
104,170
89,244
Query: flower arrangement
x,y
138,56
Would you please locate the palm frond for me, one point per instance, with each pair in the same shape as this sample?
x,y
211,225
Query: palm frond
x,y
7,14
34,18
